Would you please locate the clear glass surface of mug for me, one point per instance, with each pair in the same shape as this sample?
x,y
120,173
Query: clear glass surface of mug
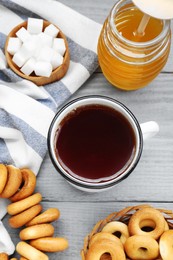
x,y
129,62
141,132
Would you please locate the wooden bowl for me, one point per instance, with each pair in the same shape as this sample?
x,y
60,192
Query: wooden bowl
x,y
124,216
56,74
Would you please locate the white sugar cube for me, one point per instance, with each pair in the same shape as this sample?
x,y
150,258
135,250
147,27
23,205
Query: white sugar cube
x,y
46,39
37,52
46,54
24,53
59,45
51,30
57,60
43,68
34,25
39,46
29,47
19,58
29,66
14,44
23,34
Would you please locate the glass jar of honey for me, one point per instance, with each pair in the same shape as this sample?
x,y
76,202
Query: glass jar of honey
x,y
128,60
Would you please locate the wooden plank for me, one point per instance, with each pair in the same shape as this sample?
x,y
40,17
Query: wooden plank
x,y
96,10
150,182
153,175
76,221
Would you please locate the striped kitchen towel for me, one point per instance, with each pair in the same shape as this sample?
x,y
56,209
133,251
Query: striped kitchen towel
x,y
25,109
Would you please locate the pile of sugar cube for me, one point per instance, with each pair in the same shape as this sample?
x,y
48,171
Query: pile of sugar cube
x,y
35,50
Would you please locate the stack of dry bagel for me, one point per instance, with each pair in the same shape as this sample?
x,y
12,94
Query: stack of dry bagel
x,y
18,185
142,235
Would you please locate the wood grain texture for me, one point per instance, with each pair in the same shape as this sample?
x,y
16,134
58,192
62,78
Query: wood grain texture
x,y
153,174
152,179
77,220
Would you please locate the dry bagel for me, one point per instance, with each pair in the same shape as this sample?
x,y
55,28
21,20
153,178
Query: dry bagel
x,y
28,187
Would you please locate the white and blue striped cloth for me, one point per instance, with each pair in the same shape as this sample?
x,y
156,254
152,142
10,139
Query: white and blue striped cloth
x,y
25,109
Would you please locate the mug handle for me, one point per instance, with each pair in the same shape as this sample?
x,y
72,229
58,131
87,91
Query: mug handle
x,y
149,129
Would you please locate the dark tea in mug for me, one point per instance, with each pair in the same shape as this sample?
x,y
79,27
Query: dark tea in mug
x,y
95,143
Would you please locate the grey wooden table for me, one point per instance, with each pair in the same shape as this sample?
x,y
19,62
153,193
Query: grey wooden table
x,y
151,181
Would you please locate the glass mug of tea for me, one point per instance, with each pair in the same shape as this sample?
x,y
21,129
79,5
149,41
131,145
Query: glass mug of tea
x,y
95,141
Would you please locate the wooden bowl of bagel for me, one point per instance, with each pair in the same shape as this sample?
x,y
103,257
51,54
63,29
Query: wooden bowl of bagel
x,y
124,216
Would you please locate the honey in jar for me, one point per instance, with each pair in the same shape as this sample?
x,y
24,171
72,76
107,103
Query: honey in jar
x,y
129,60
